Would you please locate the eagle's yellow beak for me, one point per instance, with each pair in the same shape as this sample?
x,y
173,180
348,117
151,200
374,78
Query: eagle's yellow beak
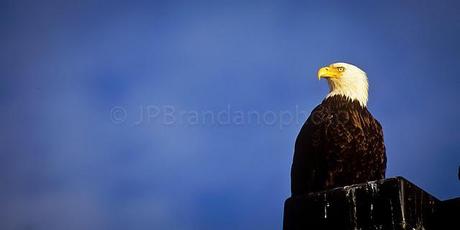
x,y
329,72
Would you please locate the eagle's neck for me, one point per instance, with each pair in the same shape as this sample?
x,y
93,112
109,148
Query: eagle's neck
x,y
351,88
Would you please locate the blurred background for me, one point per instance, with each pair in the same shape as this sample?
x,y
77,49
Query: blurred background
x,y
183,114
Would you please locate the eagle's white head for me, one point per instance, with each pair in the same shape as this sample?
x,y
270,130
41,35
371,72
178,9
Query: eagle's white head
x,y
346,80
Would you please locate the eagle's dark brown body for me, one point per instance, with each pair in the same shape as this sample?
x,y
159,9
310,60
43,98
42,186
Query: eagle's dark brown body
x,y
339,144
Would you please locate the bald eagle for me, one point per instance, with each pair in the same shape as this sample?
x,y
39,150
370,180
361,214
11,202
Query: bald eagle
x,y
341,143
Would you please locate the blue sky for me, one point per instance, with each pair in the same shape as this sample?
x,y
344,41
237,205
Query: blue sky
x,y
143,114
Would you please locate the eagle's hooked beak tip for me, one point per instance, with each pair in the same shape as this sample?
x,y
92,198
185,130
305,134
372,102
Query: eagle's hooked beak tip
x,y
323,72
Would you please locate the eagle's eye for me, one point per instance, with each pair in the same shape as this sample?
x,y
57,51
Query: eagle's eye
x,y
341,69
